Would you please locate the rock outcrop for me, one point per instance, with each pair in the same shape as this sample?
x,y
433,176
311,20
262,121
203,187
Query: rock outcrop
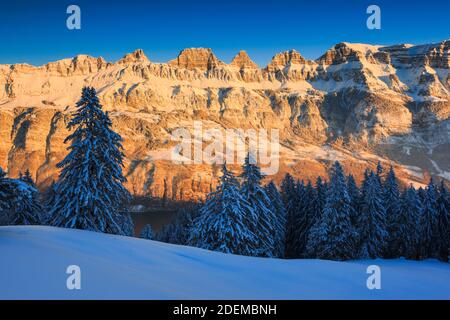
x,y
242,61
138,56
200,58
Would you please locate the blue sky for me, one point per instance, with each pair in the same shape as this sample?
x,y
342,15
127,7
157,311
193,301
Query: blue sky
x,y
35,31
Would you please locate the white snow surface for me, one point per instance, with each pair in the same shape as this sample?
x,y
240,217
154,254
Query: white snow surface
x,y
33,262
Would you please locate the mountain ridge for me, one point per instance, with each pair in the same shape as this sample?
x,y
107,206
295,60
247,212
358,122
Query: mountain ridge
x,y
356,103
355,45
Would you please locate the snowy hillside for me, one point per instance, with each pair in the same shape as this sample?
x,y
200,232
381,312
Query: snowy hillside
x,y
34,260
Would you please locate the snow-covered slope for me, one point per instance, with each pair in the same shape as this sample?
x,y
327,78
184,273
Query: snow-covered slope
x,y
33,262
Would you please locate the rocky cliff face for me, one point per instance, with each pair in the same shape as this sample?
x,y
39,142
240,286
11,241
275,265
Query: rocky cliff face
x,y
357,103
196,58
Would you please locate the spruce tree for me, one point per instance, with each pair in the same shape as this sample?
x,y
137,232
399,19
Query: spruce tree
x,y
125,221
372,220
267,225
355,198
292,198
379,171
19,204
443,211
422,194
310,217
333,236
321,191
90,191
183,224
394,220
5,201
147,232
27,178
49,197
429,234
280,211
299,222
226,221
179,230
166,234
408,225
287,189
314,203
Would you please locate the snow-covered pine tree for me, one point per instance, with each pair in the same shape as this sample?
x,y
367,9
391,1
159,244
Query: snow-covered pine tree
x,y
276,200
372,220
27,178
125,221
90,191
380,170
313,214
408,223
267,225
287,189
355,198
391,196
5,202
297,212
166,234
49,196
308,207
280,210
178,231
183,223
429,233
421,192
443,208
147,232
321,191
289,196
363,188
19,204
333,236
226,221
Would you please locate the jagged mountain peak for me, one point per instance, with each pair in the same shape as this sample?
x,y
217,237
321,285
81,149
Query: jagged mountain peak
x,y
134,57
242,60
81,64
284,59
435,55
346,52
192,58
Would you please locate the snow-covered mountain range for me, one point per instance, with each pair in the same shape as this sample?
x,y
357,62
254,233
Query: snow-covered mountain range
x,y
357,103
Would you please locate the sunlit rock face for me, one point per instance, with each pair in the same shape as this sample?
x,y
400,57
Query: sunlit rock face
x,y
357,103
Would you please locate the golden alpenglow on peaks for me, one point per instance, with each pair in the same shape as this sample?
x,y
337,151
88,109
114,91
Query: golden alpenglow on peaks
x,y
200,58
357,103
242,60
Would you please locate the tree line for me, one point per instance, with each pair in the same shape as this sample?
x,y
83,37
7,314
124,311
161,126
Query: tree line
x,y
334,219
